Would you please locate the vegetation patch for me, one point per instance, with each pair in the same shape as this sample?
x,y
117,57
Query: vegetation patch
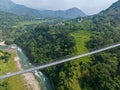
x,y
7,66
81,38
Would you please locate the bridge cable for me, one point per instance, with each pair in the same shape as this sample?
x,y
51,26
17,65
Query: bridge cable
x,y
59,61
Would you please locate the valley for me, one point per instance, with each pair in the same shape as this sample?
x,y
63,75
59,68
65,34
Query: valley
x,y
51,38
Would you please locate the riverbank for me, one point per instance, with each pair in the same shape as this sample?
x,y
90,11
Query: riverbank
x,y
29,79
2,43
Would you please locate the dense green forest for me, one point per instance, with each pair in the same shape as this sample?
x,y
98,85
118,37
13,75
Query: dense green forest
x,y
104,70
12,26
45,42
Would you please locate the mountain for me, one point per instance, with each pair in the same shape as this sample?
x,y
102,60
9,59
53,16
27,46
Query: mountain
x,y
113,10
10,18
9,6
70,13
74,12
6,4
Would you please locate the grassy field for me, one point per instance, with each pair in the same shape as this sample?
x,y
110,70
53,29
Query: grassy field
x,y
12,83
81,38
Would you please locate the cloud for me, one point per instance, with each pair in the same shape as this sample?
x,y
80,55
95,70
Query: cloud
x,y
88,6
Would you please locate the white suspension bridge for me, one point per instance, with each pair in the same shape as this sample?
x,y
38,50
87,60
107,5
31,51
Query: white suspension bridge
x,y
59,61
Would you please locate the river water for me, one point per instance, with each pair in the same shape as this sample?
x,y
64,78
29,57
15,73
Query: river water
x,y
25,62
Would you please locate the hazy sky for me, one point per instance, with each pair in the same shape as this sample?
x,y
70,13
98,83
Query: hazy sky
x,y
87,6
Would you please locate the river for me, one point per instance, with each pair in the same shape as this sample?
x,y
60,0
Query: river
x,y
25,62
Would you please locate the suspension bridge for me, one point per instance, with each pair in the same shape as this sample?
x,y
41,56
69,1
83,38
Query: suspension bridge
x,y
59,61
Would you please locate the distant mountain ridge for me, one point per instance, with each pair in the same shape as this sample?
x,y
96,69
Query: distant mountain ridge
x,y
114,9
69,13
9,6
